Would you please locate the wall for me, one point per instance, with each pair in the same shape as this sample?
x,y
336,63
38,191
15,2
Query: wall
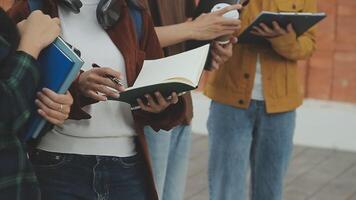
x,y
331,73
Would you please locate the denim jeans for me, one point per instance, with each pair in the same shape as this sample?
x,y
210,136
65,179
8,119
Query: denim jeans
x,y
80,177
239,138
169,153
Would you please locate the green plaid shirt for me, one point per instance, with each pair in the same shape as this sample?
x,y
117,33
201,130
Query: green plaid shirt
x,y
17,92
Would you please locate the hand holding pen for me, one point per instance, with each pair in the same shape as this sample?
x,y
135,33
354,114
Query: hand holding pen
x,y
100,82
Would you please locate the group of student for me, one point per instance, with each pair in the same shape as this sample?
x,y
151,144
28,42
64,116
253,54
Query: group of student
x,y
99,149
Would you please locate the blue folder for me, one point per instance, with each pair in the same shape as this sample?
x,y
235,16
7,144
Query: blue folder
x,y
59,66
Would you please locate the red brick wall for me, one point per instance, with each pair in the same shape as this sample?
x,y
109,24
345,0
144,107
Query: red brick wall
x,y
331,73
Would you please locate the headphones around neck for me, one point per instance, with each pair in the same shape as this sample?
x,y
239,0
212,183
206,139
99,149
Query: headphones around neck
x,y
107,12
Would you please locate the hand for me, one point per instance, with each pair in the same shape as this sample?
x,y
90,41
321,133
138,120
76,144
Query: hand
x,y
213,25
54,107
158,105
222,53
267,32
37,32
95,81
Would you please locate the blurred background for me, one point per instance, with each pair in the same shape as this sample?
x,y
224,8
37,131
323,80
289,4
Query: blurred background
x,y
324,160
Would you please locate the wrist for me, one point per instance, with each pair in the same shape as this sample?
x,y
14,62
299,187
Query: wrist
x,y
190,30
30,48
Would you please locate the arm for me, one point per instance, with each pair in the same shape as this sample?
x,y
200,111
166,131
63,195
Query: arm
x,y
205,27
18,87
18,92
174,34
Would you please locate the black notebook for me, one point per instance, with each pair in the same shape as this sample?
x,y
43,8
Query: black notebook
x,y
301,22
178,73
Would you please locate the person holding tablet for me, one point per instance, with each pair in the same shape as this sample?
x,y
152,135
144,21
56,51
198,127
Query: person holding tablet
x,y
253,111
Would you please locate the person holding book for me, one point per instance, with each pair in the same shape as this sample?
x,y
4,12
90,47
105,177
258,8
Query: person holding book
x,y
169,151
101,152
252,114
19,78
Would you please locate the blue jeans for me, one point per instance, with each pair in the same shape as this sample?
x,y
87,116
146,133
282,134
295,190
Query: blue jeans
x,y
239,138
80,177
169,153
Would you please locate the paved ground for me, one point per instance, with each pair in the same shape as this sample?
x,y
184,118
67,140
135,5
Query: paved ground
x,y
314,174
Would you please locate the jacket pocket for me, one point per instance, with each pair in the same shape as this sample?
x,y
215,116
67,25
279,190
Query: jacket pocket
x,y
290,6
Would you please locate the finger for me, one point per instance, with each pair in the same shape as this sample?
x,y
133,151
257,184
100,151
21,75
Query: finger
x,y
62,107
48,101
104,71
229,23
57,98
266,29
234,40
228,9
215,65
50,112
49,119
174,99
143,106
223,51
278,29
290,28
20,24
106,91
107,82
96,96
258,31
216,57
56,20
152,102
161,101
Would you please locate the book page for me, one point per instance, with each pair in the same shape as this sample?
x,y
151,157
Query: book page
x,y
187,65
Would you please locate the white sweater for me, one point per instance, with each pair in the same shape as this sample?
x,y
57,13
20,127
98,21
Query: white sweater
x,y
110,131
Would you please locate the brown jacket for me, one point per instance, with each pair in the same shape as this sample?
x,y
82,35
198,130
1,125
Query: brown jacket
x,y
123,36
232,84
165,13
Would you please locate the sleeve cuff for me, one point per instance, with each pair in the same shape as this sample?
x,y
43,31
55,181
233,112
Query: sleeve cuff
x,y
26,56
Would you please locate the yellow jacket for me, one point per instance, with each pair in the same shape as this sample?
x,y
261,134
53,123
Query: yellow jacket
x,y
232,84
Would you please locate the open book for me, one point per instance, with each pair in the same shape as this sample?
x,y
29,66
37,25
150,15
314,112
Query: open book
x,y
301,22
178,73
